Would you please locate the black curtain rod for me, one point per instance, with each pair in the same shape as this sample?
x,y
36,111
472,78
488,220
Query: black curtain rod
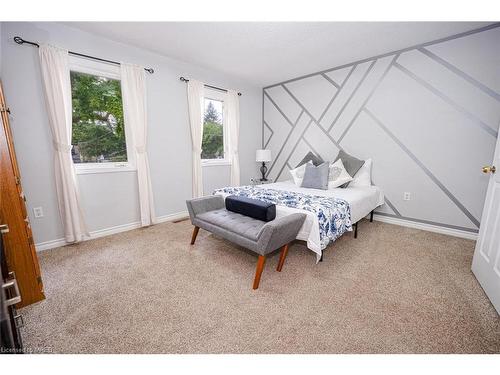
x,y
210,86
20,40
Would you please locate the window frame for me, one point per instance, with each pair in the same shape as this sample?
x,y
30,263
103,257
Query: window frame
x,y
107,70
221,96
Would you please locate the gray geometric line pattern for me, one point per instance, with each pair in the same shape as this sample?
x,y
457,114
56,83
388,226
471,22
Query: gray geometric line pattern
x,y
428,222
294,147
352,94
449,101
399,51
299,103
267,143
391,205
317,139
330,80
311,146
310,115
265,146
461,73
284,143
336,94
279,109
424,168
368,97
262,114
272,133
388,202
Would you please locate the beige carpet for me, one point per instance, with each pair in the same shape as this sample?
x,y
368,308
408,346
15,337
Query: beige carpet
x,y
392,290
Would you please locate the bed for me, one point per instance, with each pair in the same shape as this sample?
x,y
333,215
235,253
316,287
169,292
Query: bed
x,y
361,201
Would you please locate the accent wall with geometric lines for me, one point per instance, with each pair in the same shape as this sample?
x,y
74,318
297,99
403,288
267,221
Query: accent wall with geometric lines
x,y
428,116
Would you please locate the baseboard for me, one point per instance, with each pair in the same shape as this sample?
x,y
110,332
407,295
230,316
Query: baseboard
x,y
41,246
173,217
425,226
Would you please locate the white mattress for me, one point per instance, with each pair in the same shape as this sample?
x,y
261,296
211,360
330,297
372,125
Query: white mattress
x,y
362,200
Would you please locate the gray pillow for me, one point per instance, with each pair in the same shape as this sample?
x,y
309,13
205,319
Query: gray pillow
x,y
316,160
351,164
316,177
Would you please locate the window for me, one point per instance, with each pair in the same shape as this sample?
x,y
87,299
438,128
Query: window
x,y
99,136
213,144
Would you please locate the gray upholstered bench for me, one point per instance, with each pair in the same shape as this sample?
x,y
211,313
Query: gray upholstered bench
x,y
261,237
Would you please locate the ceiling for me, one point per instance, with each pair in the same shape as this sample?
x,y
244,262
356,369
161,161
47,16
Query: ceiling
x,y
264,53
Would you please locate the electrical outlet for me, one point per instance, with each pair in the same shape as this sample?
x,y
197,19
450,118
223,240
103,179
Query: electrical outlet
x,y
38,212
406,196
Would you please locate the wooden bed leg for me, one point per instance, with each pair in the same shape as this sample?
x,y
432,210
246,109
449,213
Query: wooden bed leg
x,y
371,217
284,252
356,230
258,271
195,233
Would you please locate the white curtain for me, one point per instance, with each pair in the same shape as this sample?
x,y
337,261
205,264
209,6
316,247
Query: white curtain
x,y
232,116
195,91
134,112
57,91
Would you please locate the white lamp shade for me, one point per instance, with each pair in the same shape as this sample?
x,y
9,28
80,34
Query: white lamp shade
x,y
263,155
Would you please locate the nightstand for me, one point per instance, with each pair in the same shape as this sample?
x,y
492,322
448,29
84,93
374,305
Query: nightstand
x,y
257,181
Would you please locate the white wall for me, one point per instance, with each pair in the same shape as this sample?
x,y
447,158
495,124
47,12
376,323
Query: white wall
x,y
110,199
427,117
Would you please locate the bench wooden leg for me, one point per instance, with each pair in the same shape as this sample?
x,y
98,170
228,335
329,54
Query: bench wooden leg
x,y
284,252
258,271
195,233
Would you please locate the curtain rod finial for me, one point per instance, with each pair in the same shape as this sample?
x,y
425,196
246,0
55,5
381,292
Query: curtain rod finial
x,y
20,41
183,79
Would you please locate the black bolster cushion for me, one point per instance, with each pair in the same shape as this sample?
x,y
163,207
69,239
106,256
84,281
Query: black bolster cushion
x,y
255,208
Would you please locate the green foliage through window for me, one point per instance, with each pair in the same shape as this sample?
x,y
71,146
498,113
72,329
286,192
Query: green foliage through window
x,y
213,131
98,126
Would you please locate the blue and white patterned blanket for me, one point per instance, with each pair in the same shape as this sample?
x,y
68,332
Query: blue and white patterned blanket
x,y
334,214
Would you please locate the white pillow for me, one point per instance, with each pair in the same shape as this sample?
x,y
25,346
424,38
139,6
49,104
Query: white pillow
x,y
337,175
298,173
364,176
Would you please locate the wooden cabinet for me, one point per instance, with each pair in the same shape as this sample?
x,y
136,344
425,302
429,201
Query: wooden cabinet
x,y
18,240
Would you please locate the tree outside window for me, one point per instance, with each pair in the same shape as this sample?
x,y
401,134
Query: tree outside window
x,y
98,127
213,130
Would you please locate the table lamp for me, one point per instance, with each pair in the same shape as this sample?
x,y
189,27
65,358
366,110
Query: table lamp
x,y
263,156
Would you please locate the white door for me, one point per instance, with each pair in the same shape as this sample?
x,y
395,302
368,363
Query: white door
x,y
486,262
